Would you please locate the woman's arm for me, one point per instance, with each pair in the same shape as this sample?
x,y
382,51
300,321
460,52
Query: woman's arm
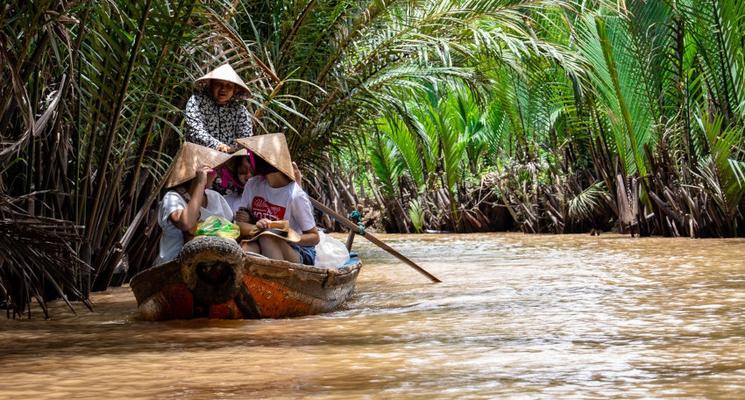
x,y
302,212
310,237
243,220
186,219
247,229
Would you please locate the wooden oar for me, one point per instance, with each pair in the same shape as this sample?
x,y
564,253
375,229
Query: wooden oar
x,y
369,236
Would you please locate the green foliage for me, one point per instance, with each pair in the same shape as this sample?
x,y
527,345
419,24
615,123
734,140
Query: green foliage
x,y
407,148
343,64
386,164
725,183
416,215
588,203
650,91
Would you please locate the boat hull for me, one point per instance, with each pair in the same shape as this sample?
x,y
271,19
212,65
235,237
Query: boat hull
x,y
213,278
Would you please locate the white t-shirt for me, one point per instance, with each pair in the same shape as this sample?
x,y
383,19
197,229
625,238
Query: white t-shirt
x,y
288,202
234,200
173,238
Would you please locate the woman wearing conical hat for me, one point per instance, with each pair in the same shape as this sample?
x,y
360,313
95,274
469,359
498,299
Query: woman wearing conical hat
x,y
188,200
272,194
214,117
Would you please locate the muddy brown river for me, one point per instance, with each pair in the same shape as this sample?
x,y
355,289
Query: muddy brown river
x,y
518,316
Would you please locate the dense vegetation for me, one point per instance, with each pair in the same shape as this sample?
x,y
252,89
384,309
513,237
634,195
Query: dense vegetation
x,y
638,123
465,115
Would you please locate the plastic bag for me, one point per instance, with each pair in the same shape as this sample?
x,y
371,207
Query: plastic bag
x,y
218,226
330,253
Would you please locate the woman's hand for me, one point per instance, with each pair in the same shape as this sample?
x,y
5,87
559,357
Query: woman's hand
x,y
202,175
247,229
263,223
224,148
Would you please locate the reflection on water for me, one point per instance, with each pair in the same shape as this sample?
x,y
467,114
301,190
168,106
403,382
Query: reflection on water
x,y
526,316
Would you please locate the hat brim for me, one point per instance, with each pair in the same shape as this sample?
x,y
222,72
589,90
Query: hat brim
x,y
224,73
273,149
289,236
191,156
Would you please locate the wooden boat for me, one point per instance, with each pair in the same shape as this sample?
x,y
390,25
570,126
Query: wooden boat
x,y
213,278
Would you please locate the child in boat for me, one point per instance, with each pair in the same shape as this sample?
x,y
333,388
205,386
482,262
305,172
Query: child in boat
x,y
188,201
272,194
214,116
241,171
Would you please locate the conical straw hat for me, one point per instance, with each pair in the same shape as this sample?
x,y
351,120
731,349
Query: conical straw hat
x,y
288,235
224,73
273,149
190,158
280,229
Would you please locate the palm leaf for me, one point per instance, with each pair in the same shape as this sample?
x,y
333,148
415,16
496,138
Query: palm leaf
x,y
587,204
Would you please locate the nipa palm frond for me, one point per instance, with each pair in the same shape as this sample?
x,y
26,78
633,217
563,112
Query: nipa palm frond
x,y
36,254
586,204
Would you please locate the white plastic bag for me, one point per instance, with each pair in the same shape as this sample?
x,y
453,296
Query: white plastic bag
x,y
330,253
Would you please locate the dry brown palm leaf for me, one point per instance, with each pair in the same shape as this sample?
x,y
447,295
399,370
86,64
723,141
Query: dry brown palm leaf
x,y
38,256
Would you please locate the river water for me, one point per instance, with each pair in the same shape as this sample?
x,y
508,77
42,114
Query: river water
x,y
518,316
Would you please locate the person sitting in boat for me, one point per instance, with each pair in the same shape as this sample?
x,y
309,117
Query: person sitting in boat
x,y
188,200
214,116
272,194
241,171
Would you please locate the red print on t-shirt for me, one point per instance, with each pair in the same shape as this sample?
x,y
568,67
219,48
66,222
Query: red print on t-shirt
x,y
260,208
